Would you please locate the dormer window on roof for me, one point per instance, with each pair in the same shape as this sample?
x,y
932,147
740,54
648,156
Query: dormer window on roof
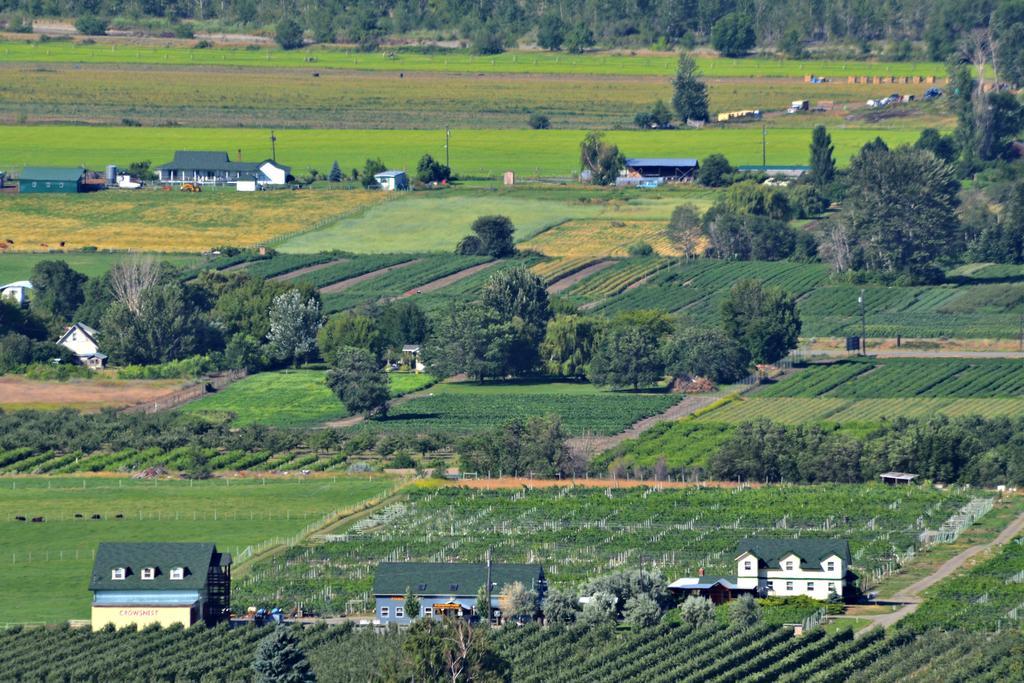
x,y
118,573
148,573
177,573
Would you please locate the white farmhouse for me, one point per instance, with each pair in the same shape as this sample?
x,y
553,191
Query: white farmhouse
x,y
80,339
778,567
16,292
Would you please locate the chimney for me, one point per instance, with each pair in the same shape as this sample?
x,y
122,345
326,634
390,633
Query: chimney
x,y
700,572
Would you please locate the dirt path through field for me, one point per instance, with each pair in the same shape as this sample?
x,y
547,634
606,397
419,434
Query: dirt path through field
x,y
568,281
292,274
910,597
345,284
442,282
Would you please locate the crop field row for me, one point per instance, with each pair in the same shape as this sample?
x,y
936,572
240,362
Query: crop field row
x,y
578,533
46,564
618,278
464,409
680,444
604,238
553,269
150,220
512,61
352,267
469,288
473,153
987,597
282,264
399,281
824,409
906,377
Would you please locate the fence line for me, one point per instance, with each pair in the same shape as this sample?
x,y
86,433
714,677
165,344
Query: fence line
x,y
204,386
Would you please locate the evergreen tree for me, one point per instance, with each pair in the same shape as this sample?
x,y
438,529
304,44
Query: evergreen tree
x,y
411,604
280,659
690,93
336,176
823,166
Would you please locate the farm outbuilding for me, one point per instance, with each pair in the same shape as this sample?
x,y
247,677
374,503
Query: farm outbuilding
x,y
42,179
447,589
392,180
16,292
664,169
160,583
897,478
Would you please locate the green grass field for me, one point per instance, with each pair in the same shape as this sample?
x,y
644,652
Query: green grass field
x,y
437,221
513,61
478,152
46,566
18,266
290,398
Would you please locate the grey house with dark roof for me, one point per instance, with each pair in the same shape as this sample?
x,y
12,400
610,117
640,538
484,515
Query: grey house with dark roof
x,y
783,567
163,583
446,589
217,168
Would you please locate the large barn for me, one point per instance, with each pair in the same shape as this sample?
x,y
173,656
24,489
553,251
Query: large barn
x,y
44,179
640,171
159,583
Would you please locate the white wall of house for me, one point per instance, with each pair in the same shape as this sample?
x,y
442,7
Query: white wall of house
x,y
275,174
15,293
793,578
79,343
246,186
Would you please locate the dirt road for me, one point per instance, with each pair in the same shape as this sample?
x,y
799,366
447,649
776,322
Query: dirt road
x,y
345,284
442,282
569,280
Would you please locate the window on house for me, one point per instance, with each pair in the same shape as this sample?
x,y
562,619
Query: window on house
x,y
789,565
831,588
771,585
118,574
789,585
810,586
428,610
177,573
399,612
148,573
746,566
384,611
831,566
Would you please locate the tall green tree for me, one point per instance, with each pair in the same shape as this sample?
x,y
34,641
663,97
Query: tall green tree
x,y
689,92
705,352
402,322
359,382
169,325
763,319
293,326
733,35
626,357
900,207
58,290
823,165
279,659
411,604
496,235
288,34
568,345
602,160
551,32
349,329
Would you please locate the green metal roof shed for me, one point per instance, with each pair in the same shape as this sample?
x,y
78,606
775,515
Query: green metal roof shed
x,y
51,179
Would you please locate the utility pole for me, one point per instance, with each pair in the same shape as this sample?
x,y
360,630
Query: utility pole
x,y
447,138
863,325
273,146
488,606
764,146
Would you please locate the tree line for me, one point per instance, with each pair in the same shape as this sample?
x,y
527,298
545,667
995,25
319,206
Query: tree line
x,y
732,27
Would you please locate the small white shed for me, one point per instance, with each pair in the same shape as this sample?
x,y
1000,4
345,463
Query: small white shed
x,y
16,292
392,180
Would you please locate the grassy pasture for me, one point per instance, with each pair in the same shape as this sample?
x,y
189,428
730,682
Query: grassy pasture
x,y
513,61
291,398
252,97
151,220
18,265
481,152
437,221
52,585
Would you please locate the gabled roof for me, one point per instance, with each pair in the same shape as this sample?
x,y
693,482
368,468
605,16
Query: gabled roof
x,y
703,582
812,551
187,160
24,284
52,173
85,329
438,578
903,476
685,162
388,174
196,558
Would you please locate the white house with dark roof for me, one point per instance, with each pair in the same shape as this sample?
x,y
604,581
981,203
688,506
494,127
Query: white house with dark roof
x,y
779,567
217,167
81,340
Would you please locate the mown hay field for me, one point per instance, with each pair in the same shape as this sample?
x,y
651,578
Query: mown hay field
x,y
474,153
596,238
633,63
231,96
150,220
